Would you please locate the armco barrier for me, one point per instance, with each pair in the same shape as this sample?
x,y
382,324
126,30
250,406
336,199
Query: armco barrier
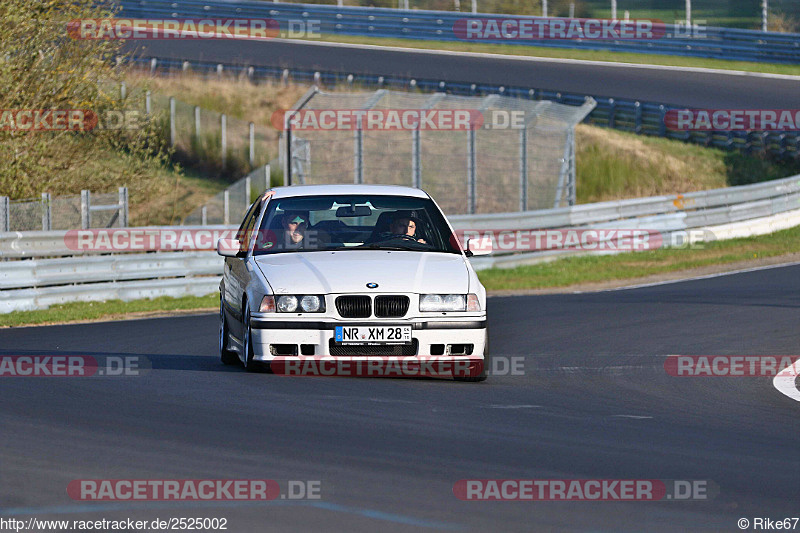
x,y
626,115
30,284
721,43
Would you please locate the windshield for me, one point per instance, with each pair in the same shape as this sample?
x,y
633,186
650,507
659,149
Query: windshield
x,y
354,222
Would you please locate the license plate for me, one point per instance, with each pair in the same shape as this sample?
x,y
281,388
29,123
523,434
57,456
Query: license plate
x,y
373,334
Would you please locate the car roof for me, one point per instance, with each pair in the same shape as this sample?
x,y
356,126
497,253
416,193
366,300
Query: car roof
x,y
321,190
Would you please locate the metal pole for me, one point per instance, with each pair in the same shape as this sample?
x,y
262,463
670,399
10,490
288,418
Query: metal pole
x,y
358,154
204,216
474,6
172,121
223,123
572,170
613,9
252,145
86,215
416,167
764,12
247,194
5,213
197,122
523,169
267,177
47,222
572,10
123,91
544,8
148,107
123,207
471,172
688,15
226,205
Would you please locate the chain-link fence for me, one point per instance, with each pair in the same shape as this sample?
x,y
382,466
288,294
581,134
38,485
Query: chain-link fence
x,y
211,141
230,205
89,210
472,154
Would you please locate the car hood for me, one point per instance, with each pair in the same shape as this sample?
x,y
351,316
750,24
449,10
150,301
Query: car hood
x,y
350,271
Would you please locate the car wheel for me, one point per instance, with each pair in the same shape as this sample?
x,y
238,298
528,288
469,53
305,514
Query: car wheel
x,y
250,364
228,357
486,362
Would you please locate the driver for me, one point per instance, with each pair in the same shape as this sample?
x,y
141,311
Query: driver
x,y
294,228
404,223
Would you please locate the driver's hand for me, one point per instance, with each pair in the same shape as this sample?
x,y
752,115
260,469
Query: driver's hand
x,y
422,241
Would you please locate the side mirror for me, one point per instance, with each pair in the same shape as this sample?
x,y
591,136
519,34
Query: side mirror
x,y
228,247
477,247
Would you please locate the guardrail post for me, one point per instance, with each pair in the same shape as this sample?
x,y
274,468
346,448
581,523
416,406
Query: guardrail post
x,y
197,122
5,213
637,117
544,8
123,207
523,169
471,172
226,205
204,216
172,121
153,65
223,124
47,223
613,9
86,214
358,154
612,111
252,139
662,125
123,91
148,106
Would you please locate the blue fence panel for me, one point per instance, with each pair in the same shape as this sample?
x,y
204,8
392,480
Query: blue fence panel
x,y
720,43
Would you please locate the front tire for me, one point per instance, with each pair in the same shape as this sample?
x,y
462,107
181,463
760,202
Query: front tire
x,y
250,364
228,357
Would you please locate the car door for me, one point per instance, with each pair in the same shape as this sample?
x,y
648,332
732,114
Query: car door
x,y
234,275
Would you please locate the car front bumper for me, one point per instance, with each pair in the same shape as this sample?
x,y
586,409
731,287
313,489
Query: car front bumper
x,y
448,338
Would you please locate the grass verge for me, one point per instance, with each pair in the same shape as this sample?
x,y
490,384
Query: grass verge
x,y
561,53
631,266
109,310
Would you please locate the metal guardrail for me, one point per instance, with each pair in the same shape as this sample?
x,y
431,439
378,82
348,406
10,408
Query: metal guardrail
x,y
646,118
36,283
721,43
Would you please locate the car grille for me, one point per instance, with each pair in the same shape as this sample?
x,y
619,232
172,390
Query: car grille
x,y
391,306
354,306
373,349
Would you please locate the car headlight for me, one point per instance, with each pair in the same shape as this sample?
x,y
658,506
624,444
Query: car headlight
x,y
290,303
310,303
442,302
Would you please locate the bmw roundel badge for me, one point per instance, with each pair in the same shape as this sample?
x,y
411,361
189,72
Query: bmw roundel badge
x,y
372,285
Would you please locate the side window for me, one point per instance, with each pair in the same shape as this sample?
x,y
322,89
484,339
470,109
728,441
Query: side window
x,y
246,229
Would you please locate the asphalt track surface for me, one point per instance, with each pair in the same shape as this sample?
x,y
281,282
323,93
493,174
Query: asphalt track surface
x,y
708,90
594,403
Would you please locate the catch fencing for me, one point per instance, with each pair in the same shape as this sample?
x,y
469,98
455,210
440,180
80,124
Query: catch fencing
x,y
513,155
